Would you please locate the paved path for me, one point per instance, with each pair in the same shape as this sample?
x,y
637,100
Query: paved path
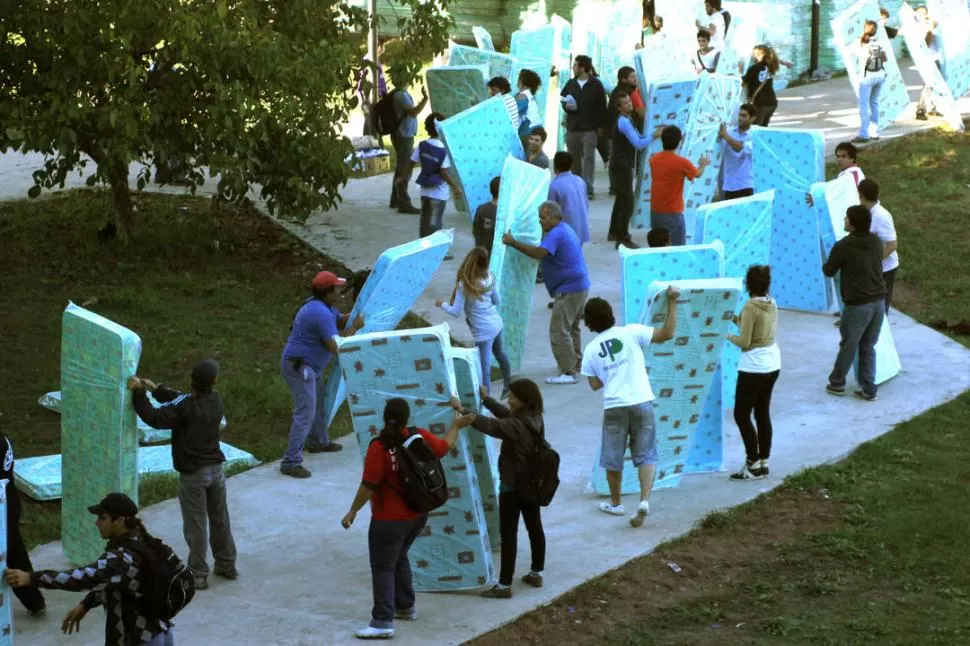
x,y
306,581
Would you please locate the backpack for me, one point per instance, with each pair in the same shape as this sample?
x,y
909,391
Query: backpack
x,y
169,584
385,116
727,21
874,62
423,482
545,474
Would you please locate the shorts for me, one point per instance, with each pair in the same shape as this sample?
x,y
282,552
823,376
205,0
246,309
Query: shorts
x,y
628,425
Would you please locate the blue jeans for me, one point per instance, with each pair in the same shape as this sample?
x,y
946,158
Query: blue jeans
x,y
162,639
869,88
432,216
388,542
673,223
860,326
485,351
309,392
631,426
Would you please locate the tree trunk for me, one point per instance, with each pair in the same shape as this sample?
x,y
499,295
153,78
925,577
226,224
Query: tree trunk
x,y
117,174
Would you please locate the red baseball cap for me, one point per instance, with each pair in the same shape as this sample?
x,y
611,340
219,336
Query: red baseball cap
x,y
327,279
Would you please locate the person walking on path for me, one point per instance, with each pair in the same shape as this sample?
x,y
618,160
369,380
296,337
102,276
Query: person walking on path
x,y
626,82
758,371
394,526
305,359
519,426
434,179
477,296
759,82
872,75
884,227
560,257
569,192
584,100
614,363
669,171
483,226
403,139
627,142
858,259
194,419
117,580
926,107
738,180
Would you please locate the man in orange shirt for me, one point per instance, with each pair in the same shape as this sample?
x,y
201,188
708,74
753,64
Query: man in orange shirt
x,y
668,171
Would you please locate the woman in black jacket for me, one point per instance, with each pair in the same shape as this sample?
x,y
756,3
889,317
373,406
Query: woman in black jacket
x,y
518,426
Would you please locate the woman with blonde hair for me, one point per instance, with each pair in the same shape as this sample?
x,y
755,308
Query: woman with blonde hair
x,y
475,293
759,82
872,75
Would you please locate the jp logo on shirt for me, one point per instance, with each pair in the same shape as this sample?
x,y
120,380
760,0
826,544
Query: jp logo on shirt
x,y
611,348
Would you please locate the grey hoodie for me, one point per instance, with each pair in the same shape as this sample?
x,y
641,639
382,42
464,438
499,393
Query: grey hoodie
x,y
481,313
859,257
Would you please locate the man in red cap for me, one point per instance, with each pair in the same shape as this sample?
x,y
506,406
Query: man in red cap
x,y
305,359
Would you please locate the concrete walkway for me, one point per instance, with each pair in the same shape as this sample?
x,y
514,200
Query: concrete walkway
x,y
306,581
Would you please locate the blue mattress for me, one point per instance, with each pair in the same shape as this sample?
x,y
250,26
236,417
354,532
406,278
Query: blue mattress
x,y
99,436
498,64
453,552
953,17
455,88
915,39
398,279
478,140
483,39
790,161
540,50
524,187
621,30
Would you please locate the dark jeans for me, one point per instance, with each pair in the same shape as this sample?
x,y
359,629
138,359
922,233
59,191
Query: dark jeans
x,y
763,115
205,518
582,146
403,147
890,279
510,507
623,205
432,216
18,558
673,223
860,325
388,542
753,393
733,195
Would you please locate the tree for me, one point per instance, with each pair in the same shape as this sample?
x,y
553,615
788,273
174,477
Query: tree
x,y
254,91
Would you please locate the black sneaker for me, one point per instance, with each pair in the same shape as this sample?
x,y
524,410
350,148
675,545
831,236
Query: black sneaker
x,y
407,209
861,394
332,447
226,572
201,583
838,391
533,579
37,614
496,592
295,472
750,471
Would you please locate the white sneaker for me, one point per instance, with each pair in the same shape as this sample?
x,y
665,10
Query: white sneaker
x,y
643,510
562,379
369,632
607,508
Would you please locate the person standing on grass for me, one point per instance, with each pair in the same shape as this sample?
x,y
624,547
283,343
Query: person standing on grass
x,y
669,171
117,580
403,140
858,258
483,226
519,427
759,82
194,419
884,227
872,75
738,165
393,526
305,359
584,100
569,192
477,296
758,371
560,257
435,177
533,149
613,362
627,142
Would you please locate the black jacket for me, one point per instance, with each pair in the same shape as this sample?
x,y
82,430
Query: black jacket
x,y
859,257
194,420
6,472
590,102
516,458
612,110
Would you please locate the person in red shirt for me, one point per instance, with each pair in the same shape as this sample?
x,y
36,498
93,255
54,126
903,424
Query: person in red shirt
x,y
668,170
393,526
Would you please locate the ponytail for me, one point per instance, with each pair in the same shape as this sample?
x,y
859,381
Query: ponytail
x,y
396,414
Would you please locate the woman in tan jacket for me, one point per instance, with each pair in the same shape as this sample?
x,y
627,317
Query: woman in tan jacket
x,y
757,372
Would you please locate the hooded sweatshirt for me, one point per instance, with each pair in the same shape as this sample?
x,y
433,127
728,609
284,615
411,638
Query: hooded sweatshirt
x,y
758,322
481,313
859,257
516,460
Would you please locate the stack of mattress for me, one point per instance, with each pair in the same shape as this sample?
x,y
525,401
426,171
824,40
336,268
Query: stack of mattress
x,y
455,88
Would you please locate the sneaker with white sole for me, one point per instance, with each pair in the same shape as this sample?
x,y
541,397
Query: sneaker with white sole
x,y
643,510
410,614
608,508
562,379
750,471
369,632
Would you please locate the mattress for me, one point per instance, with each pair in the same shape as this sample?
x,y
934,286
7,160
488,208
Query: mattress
x,y
668,104
146,434
453,551
498,64
621,33
524,187
6,600
953,17
400,276
539,50
914,36
846,30
455,88
640,267
99,435
832,199
484,449
790,161
40,477
483,39
478,140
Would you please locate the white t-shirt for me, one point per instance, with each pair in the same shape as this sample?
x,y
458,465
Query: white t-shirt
x,y
706,61
616,359
761,360
856,174
441,191
884,227
717,38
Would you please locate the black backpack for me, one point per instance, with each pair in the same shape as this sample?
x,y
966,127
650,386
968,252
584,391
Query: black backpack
x,y
727,21
874,61
545,473
385,116
169,585
424,487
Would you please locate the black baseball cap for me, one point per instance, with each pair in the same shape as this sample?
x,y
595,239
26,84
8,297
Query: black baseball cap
x,y
115,504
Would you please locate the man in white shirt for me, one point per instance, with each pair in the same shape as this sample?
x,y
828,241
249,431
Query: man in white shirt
x,y
884,227
738,168
715,25
614,362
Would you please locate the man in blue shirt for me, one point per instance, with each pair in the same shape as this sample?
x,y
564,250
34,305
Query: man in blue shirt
x,y
738,167
569,192
627,141
305,358
403,140
561,258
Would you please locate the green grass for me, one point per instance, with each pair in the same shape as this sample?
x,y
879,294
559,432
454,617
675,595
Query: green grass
x,y
184,298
